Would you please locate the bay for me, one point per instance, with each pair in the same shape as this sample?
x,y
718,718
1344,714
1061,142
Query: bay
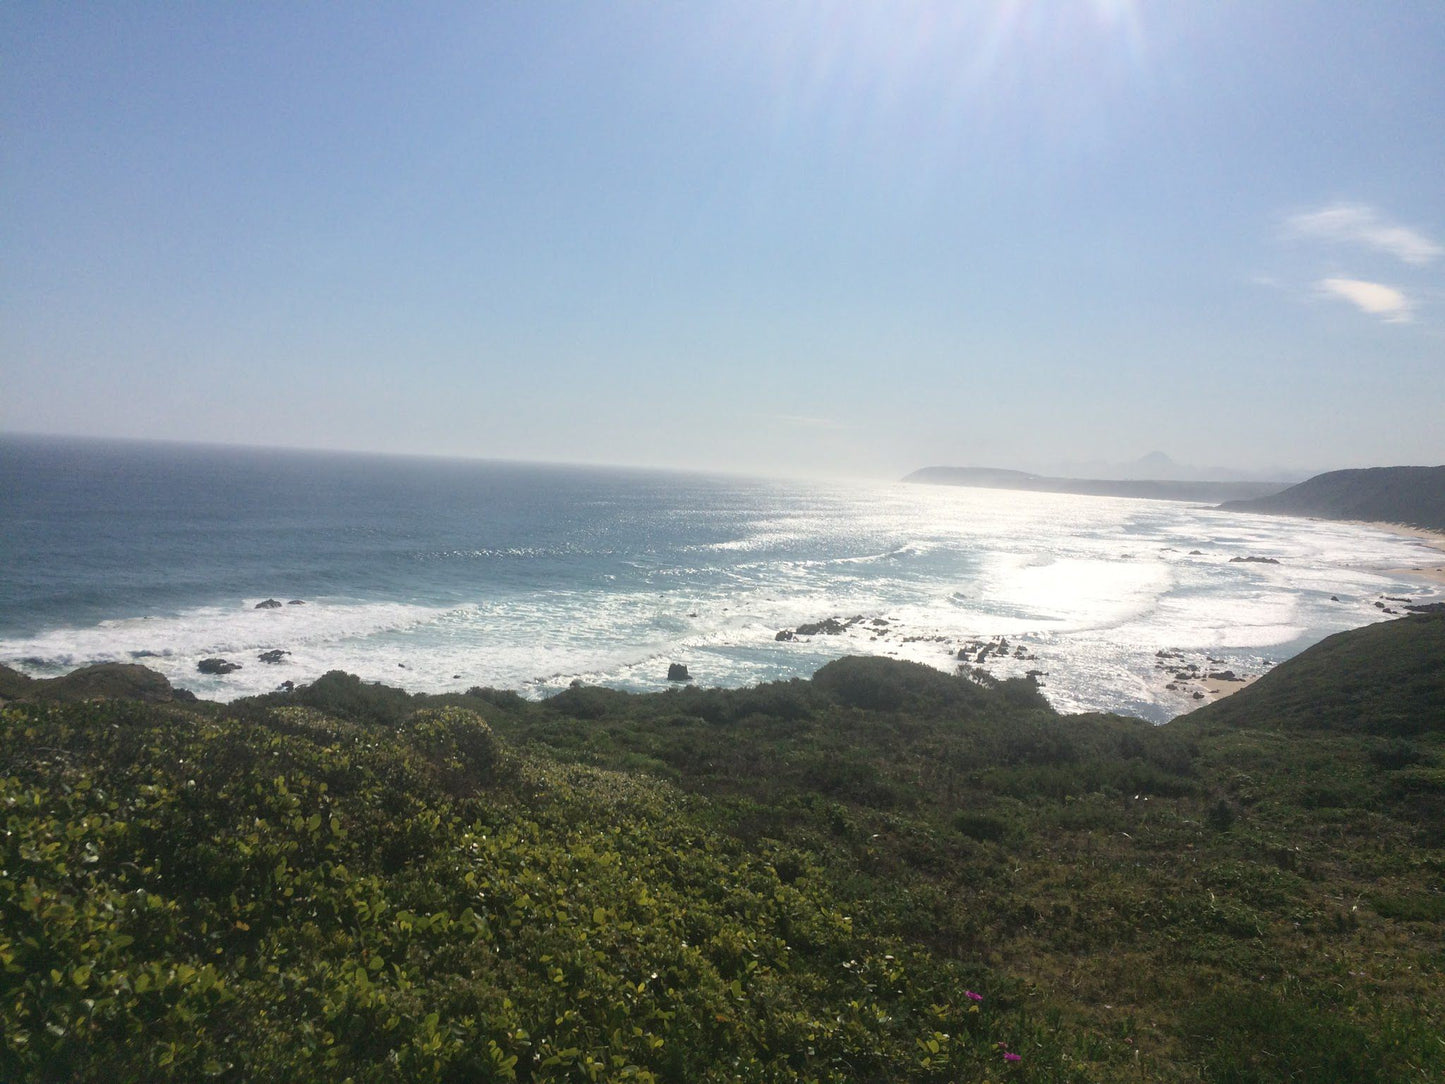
x,y
439,575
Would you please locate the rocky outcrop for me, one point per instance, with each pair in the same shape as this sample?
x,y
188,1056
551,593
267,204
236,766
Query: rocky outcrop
x,y
678,672
828,627
273,656
106,680
217,666
268,604
13,684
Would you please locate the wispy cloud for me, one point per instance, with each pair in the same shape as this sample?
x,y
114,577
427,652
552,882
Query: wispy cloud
x,y
1359,224
1374,298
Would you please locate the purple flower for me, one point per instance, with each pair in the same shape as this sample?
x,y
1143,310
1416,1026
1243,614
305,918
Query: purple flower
x,y
972,996
1009,1055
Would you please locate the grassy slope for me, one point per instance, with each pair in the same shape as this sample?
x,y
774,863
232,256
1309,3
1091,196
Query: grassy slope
x,y
1410,495
798,881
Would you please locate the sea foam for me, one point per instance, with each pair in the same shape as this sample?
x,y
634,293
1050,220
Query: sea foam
x,y
442,577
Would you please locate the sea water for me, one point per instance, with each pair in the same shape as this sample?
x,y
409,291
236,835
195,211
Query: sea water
x,y
439,575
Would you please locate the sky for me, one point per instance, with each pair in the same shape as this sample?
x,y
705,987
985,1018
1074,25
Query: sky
x,y
844,239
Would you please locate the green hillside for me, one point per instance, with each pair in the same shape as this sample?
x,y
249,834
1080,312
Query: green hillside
x,y
882,874
1386,679
1414,496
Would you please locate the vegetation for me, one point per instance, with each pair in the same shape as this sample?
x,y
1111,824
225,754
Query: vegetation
x,y
884,873
1409,495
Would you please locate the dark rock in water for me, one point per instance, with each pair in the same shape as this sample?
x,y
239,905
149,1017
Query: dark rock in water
x,y
1426,607
678,672
1198,696
268,604
879,622
295,602
455,677
217,666
1252,560
786,634
831,627
1222,675
273,656
1334,598
288,686
1196,553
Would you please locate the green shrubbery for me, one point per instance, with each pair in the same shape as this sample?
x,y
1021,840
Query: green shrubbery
x,y
885,874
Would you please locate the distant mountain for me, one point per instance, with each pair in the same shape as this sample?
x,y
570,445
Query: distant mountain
x,y
1152,489
1414,496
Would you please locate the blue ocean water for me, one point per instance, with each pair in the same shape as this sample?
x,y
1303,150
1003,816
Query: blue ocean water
x,y
443,574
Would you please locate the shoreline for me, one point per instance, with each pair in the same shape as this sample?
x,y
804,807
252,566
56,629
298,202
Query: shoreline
x,y
1433,571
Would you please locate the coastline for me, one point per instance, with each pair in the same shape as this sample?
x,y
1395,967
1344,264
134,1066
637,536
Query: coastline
x,y
1434,571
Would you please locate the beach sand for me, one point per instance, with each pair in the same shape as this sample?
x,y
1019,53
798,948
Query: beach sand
x,y
1432,570
1217,689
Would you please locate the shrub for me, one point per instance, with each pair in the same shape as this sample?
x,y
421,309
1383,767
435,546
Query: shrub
x,y
457,740
980,826
1220,816
347,697
889,685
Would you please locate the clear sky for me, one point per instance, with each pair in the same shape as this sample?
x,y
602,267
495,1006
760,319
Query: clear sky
x,y
836,238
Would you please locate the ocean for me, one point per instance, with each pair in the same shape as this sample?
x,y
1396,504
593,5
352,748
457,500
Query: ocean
x,y
439,575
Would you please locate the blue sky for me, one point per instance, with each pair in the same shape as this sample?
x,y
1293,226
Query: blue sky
x,y
815,238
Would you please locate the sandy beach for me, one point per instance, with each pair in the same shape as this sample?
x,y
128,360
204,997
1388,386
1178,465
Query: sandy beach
x,y
1430,569
1218,689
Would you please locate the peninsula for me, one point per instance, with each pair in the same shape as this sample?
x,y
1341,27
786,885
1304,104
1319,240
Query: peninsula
x,y
1162,489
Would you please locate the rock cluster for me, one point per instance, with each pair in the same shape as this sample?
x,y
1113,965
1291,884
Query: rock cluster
x,y
977,651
